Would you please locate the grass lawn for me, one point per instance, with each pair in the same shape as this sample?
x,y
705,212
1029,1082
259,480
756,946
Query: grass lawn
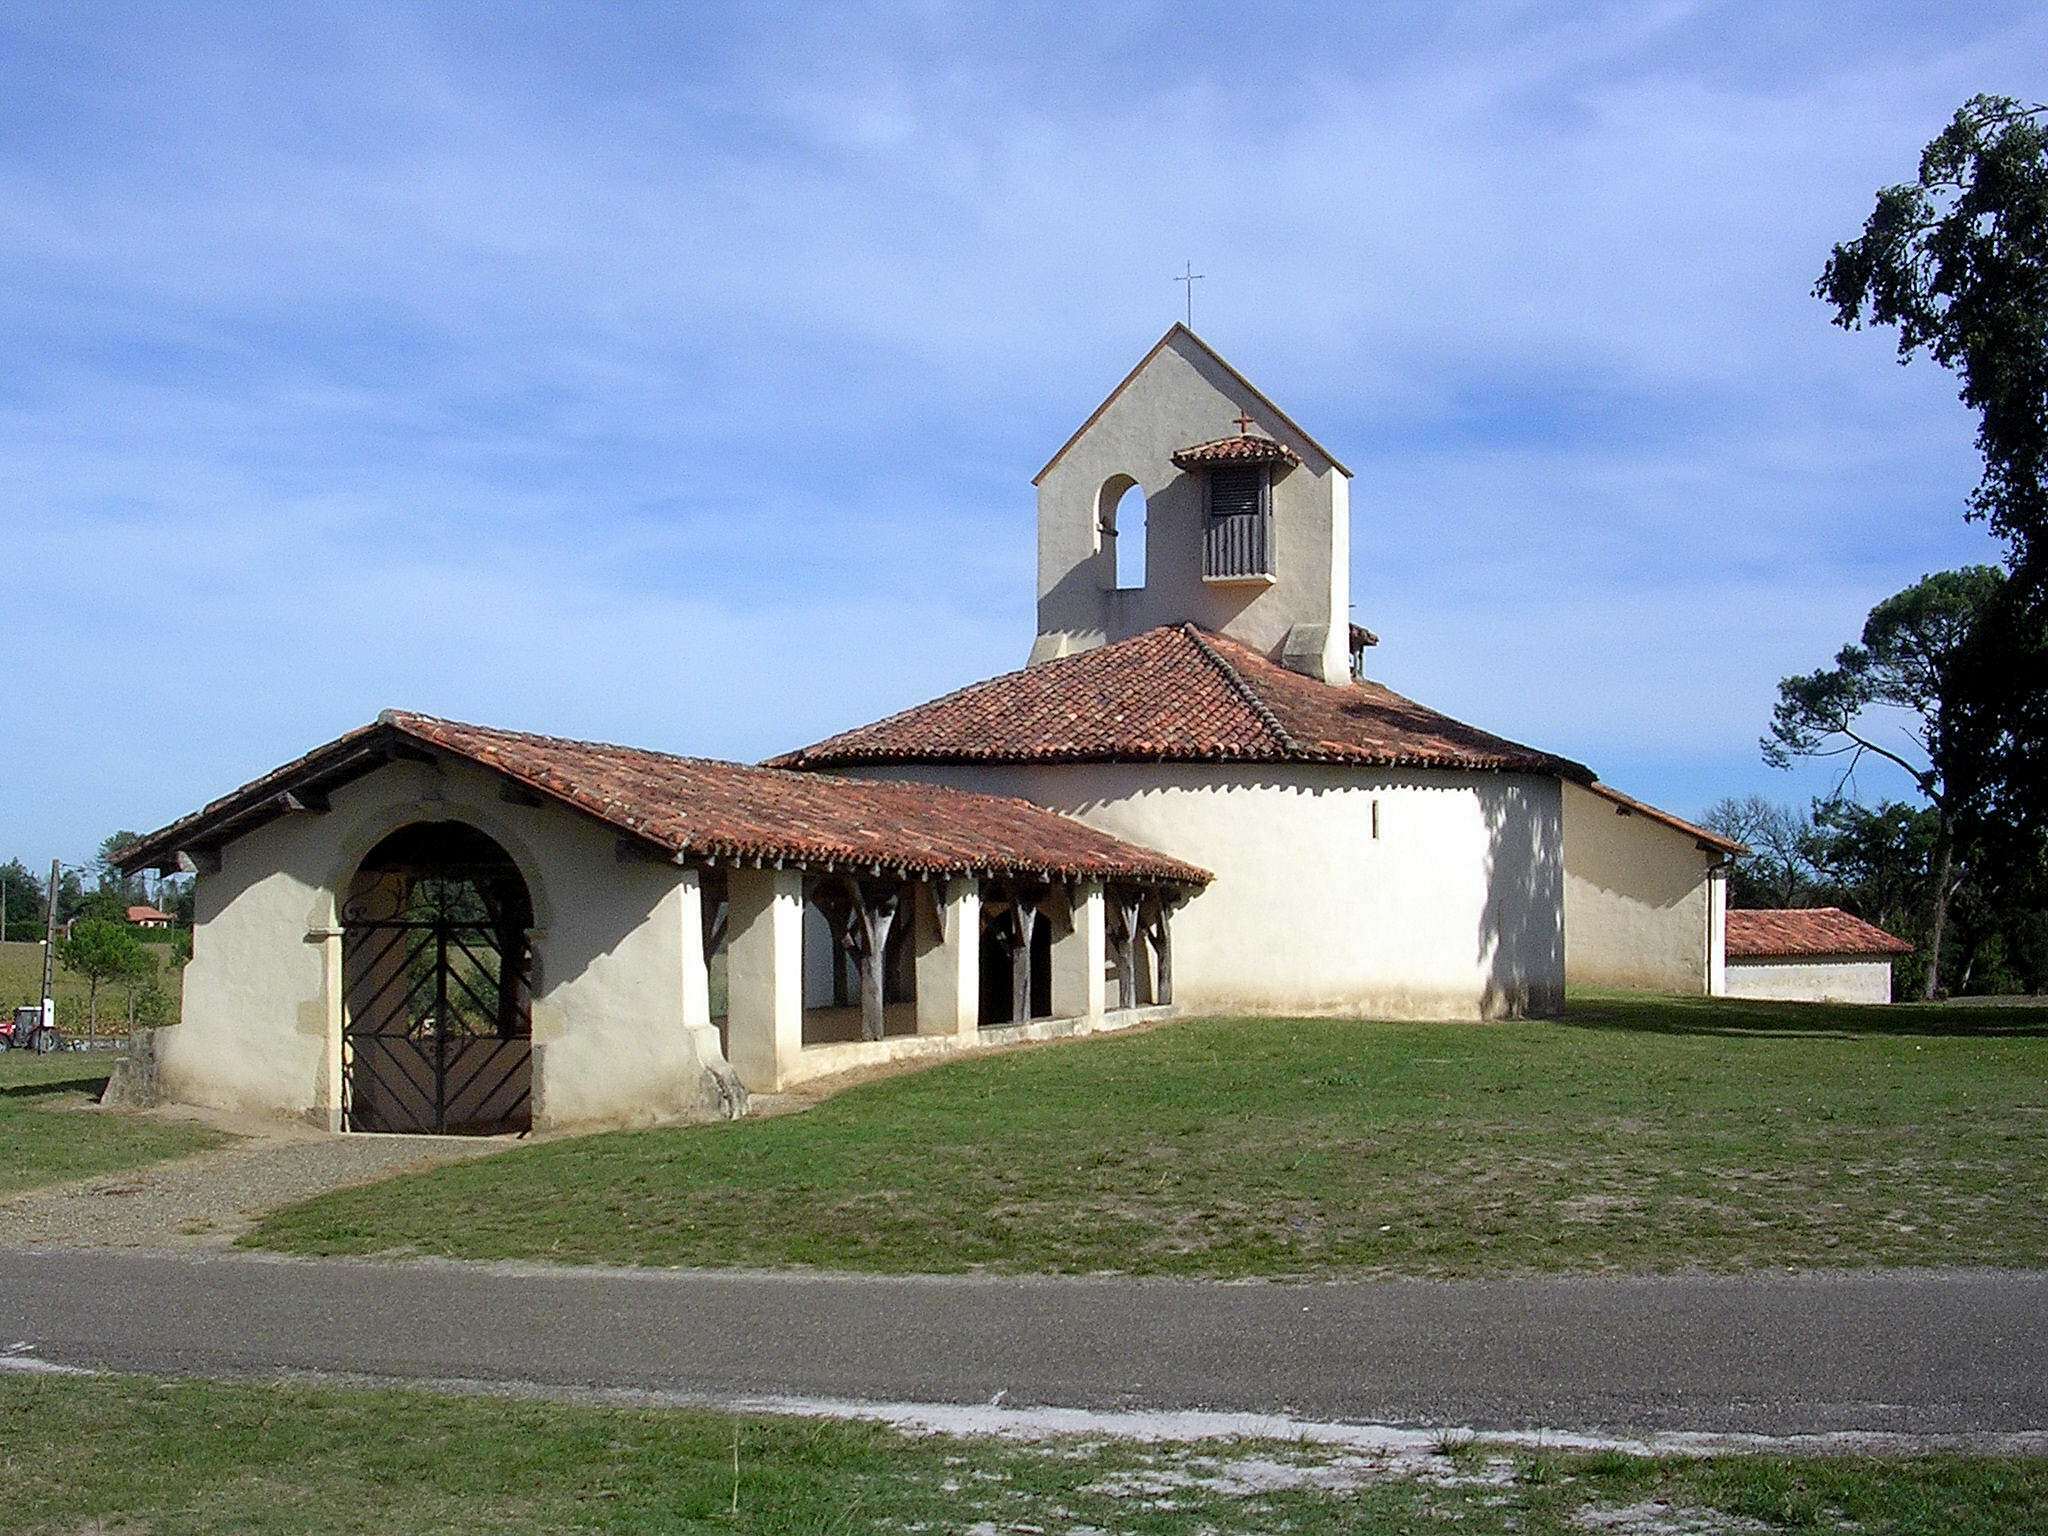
x,y
49,1134
1637,1134
21,982
171,1458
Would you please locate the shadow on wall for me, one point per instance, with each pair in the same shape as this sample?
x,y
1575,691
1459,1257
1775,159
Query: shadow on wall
x,y
1521,925
1737,1018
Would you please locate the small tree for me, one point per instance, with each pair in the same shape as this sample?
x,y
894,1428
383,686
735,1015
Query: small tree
x,y
149,1004
1920,659
100,951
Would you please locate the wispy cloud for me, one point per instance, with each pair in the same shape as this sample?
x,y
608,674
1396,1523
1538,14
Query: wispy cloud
x,y
616,373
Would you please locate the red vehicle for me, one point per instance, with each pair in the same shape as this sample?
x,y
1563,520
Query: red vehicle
x,y
25,1032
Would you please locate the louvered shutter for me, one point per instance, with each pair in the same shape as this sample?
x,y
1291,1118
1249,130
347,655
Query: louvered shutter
x,y
1237,540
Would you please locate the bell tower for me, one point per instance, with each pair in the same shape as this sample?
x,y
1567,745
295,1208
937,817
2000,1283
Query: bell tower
x,y
1245,520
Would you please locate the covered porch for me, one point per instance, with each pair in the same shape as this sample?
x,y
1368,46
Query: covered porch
x,y
431,926
812,972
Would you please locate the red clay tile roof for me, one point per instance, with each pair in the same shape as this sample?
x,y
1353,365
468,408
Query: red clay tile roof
x,y
1176,694
1634,807
147,915
699,808
1242,449
1789,932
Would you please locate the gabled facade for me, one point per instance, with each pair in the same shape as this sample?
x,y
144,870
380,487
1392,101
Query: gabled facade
x,y
1245,519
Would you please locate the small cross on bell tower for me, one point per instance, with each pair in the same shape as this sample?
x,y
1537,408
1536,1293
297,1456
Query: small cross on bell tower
x,y
1244,423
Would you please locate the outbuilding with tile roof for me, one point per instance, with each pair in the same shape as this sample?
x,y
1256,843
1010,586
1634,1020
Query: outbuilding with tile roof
x,y
1810,954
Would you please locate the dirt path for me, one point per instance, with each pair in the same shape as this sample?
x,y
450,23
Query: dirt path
x,y
210,1199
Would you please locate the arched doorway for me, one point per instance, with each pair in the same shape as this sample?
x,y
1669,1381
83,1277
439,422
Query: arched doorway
x,y
437,1027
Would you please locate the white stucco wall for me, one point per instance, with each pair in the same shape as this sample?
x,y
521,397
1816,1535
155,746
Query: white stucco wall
x,y
1639,901
1183,397
1856,979
621,1027
1453,911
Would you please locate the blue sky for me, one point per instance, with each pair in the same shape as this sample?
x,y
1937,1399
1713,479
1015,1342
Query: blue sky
x,y
676,376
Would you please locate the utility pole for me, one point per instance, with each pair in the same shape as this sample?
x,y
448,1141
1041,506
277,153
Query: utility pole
x,y
50,955
3,909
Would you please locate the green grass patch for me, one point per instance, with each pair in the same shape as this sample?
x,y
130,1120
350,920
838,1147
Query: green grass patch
x,y
1639,1134
50,1132
187,1458
21,984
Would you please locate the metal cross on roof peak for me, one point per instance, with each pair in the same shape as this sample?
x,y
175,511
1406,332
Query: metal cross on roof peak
x,y
1190,277
1244,423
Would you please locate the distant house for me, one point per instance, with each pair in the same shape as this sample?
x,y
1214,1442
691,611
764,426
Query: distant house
x,y
1811,954
148,917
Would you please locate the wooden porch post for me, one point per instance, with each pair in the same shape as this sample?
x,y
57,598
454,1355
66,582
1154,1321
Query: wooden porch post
x,y
1162,948
1015,937
1128,939
874,912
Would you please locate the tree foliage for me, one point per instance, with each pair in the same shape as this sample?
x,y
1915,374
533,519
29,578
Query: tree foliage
x,y
23,894
1957,261
1779,869
1906,695
1916,661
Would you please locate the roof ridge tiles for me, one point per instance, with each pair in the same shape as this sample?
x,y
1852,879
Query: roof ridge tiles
x,y
1244,690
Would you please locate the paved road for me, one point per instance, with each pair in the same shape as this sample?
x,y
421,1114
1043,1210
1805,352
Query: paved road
x,y
1935,1353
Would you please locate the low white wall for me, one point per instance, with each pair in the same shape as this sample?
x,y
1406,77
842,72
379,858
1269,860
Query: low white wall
x,y
815,1061
1638,900
619,1037
1452,911
1848,980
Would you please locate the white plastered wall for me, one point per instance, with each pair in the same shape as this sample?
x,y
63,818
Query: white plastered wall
x,y
1847,980
1639,901
1453,911
1182,397
621,1025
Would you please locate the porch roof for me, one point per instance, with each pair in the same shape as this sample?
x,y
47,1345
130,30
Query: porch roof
x,y
694,809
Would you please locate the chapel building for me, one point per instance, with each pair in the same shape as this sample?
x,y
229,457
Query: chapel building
x,y
1192,798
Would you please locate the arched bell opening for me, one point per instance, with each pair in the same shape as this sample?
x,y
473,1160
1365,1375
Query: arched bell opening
x,y
437,1022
